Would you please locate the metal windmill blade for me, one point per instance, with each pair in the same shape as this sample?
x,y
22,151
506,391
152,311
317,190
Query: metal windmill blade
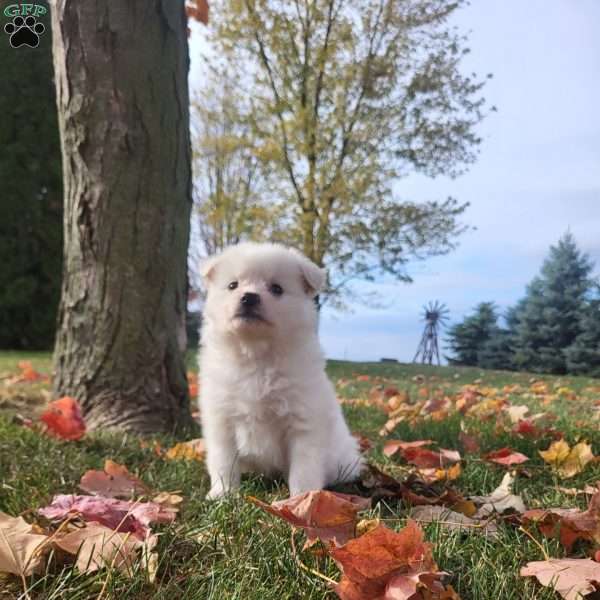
x,y
435,315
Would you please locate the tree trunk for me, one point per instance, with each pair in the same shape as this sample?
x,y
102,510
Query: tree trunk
x,y
122,93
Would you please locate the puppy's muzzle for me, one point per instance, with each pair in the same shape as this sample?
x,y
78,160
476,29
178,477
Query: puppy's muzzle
x,y
249,307
249,300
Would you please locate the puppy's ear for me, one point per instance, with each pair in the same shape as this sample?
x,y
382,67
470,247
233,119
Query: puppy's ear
x,y
313,276
208,267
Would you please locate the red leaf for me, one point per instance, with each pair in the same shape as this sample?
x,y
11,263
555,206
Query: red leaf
x,y
28,373
328,516
506,457
469,442
428,459
392,446
63,419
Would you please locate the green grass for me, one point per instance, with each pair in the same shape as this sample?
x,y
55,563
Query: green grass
x,y
233,550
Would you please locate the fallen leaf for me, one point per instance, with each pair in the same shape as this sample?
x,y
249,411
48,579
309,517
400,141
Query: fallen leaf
x,y
568,524
429,459
449,474
192,450
63,419
392,446
114,482
97,546
454,521
168,500
328,516
383,564
120,515
500,501
567,461
506,457
469,442
516,413
28,373
18,546
572,578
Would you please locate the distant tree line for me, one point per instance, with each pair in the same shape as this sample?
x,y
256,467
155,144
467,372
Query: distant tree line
x,y
554,328
31,204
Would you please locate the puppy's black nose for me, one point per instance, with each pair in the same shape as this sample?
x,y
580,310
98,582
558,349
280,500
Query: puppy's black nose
x,y
249,299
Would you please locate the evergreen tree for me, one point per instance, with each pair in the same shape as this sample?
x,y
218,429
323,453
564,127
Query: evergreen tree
x,y
549,317
469,338
496,352
31,202
583,355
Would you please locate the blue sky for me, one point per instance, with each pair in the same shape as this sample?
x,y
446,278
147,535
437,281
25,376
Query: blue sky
x,y
538,173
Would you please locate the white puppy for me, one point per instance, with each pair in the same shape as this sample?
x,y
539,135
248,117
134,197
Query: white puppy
x,y
266,403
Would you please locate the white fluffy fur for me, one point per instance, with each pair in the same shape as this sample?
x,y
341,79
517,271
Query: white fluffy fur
x,y
266,403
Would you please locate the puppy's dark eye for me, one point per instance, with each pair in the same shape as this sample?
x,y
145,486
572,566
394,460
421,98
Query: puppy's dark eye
x,y
276,289
232,285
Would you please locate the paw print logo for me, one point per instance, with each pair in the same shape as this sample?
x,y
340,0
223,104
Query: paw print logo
x,y
24,32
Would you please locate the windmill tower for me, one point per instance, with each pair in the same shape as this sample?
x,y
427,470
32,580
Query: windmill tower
x,y
435,315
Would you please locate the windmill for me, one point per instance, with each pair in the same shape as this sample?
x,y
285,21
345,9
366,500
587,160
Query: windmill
x,y
435,314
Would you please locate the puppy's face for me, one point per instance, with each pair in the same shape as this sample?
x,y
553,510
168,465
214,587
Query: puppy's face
x,y
261,291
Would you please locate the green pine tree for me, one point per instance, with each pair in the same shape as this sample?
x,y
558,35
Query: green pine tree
x,y
31,202
549,317
469,338
496,352
583,355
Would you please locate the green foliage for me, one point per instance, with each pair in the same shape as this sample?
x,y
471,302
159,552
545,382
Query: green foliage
x,y
470,339
31,205
583,355
549,317
555,328
340,101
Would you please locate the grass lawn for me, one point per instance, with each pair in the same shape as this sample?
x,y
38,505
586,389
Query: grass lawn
x,y
233,550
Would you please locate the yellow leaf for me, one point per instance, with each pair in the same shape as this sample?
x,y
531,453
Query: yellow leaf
x,y
580,455
192,450
557,453
566,460
366,525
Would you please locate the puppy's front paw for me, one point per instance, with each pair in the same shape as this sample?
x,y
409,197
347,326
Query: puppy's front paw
x,y
216,491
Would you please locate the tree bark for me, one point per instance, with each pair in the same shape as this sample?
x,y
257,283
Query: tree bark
x,y
122,93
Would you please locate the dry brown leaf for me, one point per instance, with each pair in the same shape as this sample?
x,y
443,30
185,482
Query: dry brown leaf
x,y
568,524
572,578
455,521
18,546
114,482
328,516
97,546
